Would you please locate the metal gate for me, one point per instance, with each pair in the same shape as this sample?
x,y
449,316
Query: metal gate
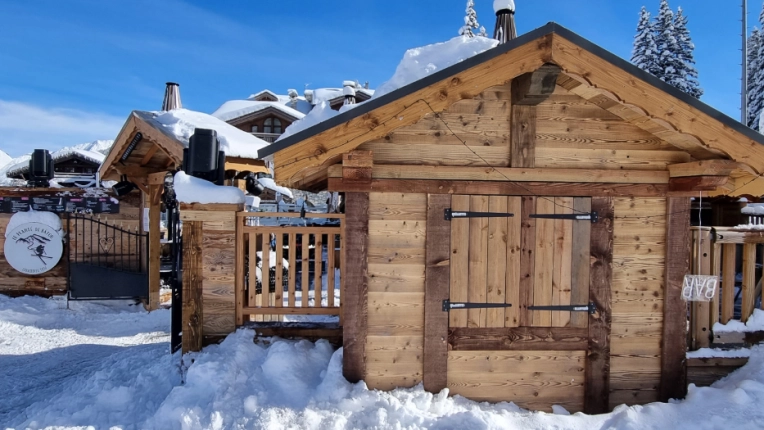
x,y
106,261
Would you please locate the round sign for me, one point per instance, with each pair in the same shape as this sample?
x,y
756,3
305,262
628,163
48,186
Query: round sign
x,y
33,248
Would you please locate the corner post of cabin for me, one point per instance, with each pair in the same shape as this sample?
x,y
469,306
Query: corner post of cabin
x,y
210,267
528,91
597,372
674,348
357,169
155,187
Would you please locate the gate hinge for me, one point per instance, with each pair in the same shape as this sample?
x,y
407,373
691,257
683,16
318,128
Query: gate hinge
x,y
449,305
450,214
591,308
593,217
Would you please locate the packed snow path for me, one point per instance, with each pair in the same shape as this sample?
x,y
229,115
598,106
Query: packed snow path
x,y
108,366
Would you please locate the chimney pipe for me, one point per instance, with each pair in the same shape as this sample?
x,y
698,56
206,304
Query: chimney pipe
x,y
505,20
171,97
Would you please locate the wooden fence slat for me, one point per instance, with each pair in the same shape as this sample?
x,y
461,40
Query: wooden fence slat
x,y
252,288
728,282
330,270
241,297
749,281
292,268
305,269
192,286
318,275
278,294
702,310
716,270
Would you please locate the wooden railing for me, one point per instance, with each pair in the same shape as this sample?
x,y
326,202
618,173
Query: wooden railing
x,y
717,251
303,265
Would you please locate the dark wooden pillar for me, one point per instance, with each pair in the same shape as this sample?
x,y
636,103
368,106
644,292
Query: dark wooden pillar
x,y
192,286
356,288
437,285
674,343
597,384
155,245
528,90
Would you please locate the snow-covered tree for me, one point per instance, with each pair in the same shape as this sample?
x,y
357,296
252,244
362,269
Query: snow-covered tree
x,y
668,47
687,78
645,52
470,20
754,93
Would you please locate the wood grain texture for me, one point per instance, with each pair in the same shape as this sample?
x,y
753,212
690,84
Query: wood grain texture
x,y
563,259
527,260
192,287
674,344
460,245
355,295
748,287
518,339
437,289
514,257
544,266
728,282
601,271
478,264
523,136
496,276
579,276
155,248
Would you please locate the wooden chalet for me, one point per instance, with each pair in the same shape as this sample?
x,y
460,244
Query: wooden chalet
x,y
71,167
596,162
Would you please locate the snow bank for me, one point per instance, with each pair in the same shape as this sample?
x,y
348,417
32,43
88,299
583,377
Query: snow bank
x,y
417,63
237,108
190,189
755,323
719,353
181,123
271,184
48,218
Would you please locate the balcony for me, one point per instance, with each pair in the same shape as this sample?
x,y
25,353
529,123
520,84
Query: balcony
x,y
268,137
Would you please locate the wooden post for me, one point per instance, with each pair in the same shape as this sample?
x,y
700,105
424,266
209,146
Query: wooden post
x,y
192,286
241,246
436,289
155,246
728,282
674,343
701,329
749,281
356,288
597,379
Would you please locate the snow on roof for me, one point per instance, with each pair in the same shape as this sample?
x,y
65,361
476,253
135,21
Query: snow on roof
x,y
21,164
238,108
266,91
181,123
416,64
190,189
102,146
503,4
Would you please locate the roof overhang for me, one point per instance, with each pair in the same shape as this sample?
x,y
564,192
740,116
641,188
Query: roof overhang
x,y
587,70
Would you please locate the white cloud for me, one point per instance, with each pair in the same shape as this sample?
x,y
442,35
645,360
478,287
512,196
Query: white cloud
x,y
24,127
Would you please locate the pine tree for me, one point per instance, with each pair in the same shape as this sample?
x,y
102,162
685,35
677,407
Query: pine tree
x,y
687,78
669,65
470,20
645,52
754,93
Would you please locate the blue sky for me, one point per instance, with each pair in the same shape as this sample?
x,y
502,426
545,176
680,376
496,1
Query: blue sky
x,y
83,65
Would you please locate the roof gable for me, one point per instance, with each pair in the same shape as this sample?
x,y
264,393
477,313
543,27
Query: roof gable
x,y
592,72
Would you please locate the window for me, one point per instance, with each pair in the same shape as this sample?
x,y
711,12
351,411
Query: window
x,y
277,126
268,126
272,125
254,129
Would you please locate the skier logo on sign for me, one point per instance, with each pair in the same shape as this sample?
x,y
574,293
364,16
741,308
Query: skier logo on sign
x,y
36,244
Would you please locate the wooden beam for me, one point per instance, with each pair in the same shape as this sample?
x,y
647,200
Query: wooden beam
x,y
241,164
357,166
156,178
535,87
355,295
146,158
697,183
522,136
708,168
192,286
527,259
136,171
507,188
674,342
436,289
504,174
155,246
597,385
518,339
124,136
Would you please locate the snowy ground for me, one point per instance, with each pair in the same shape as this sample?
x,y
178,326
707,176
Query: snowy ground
x,y
108,366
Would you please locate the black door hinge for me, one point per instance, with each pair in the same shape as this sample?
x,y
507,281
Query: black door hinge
x,y
591,308
449,305
450,214
593,217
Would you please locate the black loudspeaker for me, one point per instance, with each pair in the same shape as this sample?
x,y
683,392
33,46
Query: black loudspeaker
x,y
40,168
203,157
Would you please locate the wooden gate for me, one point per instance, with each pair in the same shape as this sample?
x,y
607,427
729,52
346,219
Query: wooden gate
x,y
520,300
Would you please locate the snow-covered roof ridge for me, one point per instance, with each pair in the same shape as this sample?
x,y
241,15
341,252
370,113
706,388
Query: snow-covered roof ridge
x,y
238,108
181,123
21,164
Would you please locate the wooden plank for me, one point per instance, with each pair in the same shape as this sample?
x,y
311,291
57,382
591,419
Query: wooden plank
x,y
523,136
701,311
331,269
478,261
355,293
728,282
496,276
570,189
398,206
265,269
598,363
674,342
241,293
608,159
434,155
748,293
155,247
271,310
697,183
192,287
278,296
305,284
318,277
527,260
293,270
513,268
518,339
460,239
579,277
544,267
563,259
716,270
437,285
252,289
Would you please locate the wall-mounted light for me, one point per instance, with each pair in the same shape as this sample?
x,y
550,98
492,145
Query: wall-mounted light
x,y
131,147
